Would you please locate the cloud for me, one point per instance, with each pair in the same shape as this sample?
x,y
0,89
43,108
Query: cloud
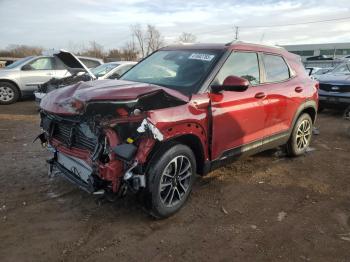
x,y
59,24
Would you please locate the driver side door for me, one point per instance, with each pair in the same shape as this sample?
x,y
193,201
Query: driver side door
x,y
238,118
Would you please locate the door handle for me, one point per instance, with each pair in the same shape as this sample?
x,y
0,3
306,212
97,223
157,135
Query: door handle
x,y
298,89
260,95
49,74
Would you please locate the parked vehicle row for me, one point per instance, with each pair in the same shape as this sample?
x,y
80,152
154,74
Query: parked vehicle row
x,y
334,89
184,110
24,76
79,72
315,71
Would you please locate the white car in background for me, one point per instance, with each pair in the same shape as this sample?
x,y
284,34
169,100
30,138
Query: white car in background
x,y
25,75
112,70
79,72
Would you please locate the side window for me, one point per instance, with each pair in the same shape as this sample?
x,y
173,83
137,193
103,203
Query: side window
x,y
276,68
59,64
44,63
242,64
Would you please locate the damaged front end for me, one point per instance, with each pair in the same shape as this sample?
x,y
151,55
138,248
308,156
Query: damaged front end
x,y
103,145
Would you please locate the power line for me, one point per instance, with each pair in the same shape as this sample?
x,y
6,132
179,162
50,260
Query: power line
x,y
304,23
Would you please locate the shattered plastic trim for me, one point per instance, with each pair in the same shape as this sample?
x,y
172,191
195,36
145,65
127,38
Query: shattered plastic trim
x,y
146,125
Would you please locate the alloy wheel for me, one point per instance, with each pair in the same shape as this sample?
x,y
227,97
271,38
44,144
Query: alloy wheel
x,y
175,181
6,94
303,134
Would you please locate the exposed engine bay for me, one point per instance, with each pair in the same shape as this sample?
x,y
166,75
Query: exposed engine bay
x,y
56,83
102,146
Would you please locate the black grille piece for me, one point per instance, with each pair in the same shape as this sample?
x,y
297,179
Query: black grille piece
x,y
335,88
71,136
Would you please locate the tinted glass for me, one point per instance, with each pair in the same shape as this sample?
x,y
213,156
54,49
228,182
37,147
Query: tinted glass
x,y
242,64
89,63
342,69
276,68
19,62
182,70
59,64
103,69
44,63
120,71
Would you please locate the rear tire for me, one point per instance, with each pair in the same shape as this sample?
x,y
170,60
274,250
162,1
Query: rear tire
x,y
169,180
301,136
9,93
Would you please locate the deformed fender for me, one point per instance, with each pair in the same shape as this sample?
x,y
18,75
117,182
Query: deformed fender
x,y
171,123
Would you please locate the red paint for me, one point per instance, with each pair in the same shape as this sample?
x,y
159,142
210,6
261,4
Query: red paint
x,y
102,90
231,119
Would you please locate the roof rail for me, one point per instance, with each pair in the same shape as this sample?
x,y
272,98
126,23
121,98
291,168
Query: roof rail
x,y
233,42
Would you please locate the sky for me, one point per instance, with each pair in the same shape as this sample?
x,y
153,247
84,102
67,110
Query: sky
x,y
72,24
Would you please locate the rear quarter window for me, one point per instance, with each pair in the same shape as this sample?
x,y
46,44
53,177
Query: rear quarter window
x,y
276,69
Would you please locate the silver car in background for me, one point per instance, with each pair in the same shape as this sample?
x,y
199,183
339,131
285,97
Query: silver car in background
x,y
23,77
79,72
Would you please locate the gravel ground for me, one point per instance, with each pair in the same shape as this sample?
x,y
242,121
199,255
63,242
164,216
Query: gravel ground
x,y
263,208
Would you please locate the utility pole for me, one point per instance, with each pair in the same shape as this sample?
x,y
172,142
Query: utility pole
x,y
236,32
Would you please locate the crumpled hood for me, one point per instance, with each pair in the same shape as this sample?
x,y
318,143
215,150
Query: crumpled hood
x,y
335,79
102,90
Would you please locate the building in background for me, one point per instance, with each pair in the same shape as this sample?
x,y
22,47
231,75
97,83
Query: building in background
x,y
335,50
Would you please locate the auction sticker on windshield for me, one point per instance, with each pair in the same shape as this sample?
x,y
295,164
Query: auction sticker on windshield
x,y
203,57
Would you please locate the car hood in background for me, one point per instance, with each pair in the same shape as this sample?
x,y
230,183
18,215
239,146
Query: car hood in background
x,y
335,79
73,63
103,91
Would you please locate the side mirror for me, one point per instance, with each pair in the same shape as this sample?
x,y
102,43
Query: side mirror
x,y
232,83
26,67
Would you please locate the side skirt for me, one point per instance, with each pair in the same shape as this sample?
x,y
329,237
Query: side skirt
x,y
247,150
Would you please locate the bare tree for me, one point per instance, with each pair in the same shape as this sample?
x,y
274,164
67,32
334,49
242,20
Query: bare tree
x,y
127,53
130,51
94,50
21,51
154,39
140,38
148,41
187,38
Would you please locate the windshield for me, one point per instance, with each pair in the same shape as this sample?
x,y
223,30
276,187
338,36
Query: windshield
x,y
342,69
181,70
103,69
18,62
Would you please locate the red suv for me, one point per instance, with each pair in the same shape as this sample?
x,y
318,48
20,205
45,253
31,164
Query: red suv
x,y
184,110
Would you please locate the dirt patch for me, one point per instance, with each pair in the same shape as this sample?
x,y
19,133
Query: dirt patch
x,y
264,208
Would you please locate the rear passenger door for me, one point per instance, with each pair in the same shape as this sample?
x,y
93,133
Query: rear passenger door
x,y
278,89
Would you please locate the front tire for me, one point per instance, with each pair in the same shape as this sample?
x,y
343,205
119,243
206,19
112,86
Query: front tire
x,y
170,180
8,93
301,136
